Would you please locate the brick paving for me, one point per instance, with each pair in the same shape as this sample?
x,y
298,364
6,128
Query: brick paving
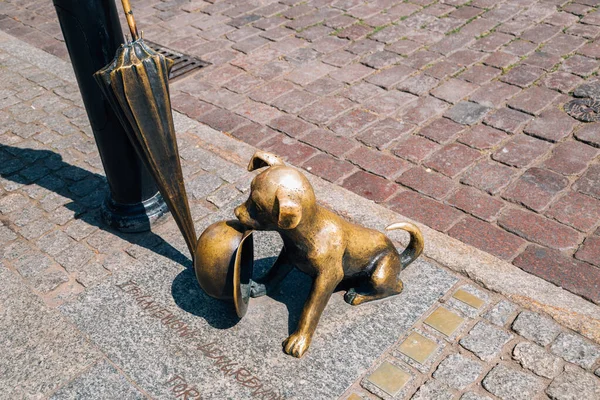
x,y
448,112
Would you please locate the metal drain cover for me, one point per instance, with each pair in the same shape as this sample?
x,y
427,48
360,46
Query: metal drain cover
x,y
184,64
586,110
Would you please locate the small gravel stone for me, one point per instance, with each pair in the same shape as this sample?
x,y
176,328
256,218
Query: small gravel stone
x,y
485,340
574,384
510,384
576,349
474,396
533,326
458,371
433,390
537,360
500,313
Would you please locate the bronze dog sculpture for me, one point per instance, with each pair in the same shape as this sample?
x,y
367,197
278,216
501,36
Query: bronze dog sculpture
x,y
320,244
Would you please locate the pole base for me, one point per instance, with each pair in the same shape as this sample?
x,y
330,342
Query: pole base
x,y
133,218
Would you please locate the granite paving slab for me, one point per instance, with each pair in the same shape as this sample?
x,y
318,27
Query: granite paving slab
x,y
163,326
102,381
40,350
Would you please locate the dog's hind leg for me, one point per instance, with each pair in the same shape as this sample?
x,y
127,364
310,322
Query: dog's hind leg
x,y
383,282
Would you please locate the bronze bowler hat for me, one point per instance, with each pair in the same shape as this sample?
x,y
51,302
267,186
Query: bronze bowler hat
x,y
223,263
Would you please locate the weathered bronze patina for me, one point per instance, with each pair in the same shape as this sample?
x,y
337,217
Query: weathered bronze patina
x,y
321,244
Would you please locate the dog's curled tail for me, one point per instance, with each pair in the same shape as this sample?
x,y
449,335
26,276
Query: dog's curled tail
x,y
415,246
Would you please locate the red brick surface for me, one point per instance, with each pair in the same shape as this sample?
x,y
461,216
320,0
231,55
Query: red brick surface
x,y
356,91
536,188
370,186
425,210
427,182
452,159
538,229
576,210
476,203
487,237
488,176
564,271
590,250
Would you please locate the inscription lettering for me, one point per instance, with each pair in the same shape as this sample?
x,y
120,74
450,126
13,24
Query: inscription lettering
x,y
230,368
181,389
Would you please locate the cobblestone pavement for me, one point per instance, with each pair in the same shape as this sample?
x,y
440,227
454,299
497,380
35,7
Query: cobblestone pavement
x,y
52,241
449,112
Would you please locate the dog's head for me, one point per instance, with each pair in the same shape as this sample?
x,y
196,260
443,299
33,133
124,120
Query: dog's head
x,y
279,196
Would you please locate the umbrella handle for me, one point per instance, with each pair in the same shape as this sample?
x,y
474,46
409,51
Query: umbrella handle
x,y
130,20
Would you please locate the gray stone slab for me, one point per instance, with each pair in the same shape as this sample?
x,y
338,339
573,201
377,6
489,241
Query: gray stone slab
x,y
36,57
576,349
485,340
501,312
536,327
102,381
40,350
511,384
152,351
537,360
458,371
574,384
474,396
433,390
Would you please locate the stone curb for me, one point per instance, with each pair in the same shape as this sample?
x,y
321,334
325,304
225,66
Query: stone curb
x,y
526,290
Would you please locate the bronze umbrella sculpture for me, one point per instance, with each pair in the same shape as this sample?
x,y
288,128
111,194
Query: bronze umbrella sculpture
x,y
136,85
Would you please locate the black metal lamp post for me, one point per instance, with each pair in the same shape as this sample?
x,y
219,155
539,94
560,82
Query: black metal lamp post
x,y
93,33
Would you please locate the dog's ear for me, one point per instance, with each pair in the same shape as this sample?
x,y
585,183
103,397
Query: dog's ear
x,y
263,159
290,212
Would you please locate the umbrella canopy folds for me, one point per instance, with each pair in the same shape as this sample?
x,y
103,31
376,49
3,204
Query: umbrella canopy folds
x,y
136,85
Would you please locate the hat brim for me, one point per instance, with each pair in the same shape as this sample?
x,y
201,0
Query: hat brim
x,y
243,267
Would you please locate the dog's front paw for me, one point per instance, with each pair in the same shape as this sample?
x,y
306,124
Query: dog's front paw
x,y
297,344
257,289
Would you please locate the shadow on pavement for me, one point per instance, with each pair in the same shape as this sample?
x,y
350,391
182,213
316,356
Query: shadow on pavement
x,y
85,189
